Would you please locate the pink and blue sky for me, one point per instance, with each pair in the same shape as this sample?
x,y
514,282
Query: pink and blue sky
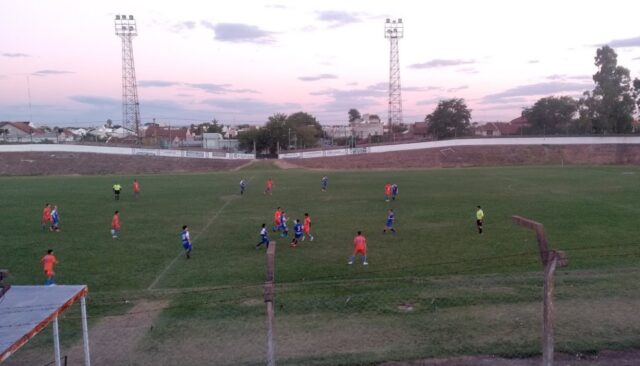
x,y
242,61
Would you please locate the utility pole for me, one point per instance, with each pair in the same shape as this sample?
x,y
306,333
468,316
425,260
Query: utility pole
x,y
393,31
269,285
550,260
126,29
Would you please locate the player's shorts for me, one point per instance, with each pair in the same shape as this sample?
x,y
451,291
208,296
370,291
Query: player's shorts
x,y
389,223
298,236
49,272
361,250
186,246
479,222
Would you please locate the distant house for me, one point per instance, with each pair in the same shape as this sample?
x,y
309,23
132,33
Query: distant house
x,y
419,129
495,129
16,131
168,136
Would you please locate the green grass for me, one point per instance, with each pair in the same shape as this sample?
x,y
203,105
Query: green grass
x,y
470,294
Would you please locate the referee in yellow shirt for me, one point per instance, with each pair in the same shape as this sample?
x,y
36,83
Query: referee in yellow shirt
x,y
479,219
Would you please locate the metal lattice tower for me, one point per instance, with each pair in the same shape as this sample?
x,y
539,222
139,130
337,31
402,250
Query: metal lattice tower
x,y
126,29
394,30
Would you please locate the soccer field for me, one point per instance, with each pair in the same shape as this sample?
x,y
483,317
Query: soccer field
x,y
436,288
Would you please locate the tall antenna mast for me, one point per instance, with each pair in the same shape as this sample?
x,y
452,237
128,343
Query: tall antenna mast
x,y
394,30
126,29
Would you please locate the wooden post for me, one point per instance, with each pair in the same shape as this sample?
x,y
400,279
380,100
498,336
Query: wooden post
x,y
550,260
268,299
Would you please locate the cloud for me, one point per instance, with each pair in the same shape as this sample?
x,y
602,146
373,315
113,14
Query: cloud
x,y
462,87
341,100
636,58
534,61
545,88
157,83
318,77
239,33
207,87
247,105
569,77
15,54
430,101
51,72
468,70
338,18
182,26
275,6
94,101
219,88
627,42
440,63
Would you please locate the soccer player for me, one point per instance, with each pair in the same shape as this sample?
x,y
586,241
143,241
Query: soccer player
x,y
479,219
360,247
307,227
389,226
283,225
297,233
136,189
325,183
48,263
387,192
394,191
264,237
116,191
55,219
268,187
46,216
115,225
277,217
186,241
243,186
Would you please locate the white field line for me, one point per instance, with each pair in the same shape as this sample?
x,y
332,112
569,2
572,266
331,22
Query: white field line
x,y
204,229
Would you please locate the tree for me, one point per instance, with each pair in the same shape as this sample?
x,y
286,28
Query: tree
x,y
305,129
551,115
354,115
451,118
206,127
611,104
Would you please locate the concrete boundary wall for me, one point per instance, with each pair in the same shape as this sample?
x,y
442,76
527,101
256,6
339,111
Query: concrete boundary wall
x,y
591,140
123,151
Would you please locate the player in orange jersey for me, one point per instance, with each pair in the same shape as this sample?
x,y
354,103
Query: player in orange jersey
x,y
46,216
307,227
115,224
268,187
48,263
359,247
136,189
277,219
387,192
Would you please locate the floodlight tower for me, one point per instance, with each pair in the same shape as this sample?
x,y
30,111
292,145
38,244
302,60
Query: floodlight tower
x,y
394,30
126,29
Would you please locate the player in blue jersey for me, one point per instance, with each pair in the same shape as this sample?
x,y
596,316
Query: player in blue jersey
x,y
243,186
297,233
325,183
186,241
55,219
264,237
283,225
389,226
394,191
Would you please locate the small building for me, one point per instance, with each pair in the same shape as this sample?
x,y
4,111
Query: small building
x,y
16,131
216,141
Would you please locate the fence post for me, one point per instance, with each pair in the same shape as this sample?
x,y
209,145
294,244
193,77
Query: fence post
x,y
550,260
268,299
